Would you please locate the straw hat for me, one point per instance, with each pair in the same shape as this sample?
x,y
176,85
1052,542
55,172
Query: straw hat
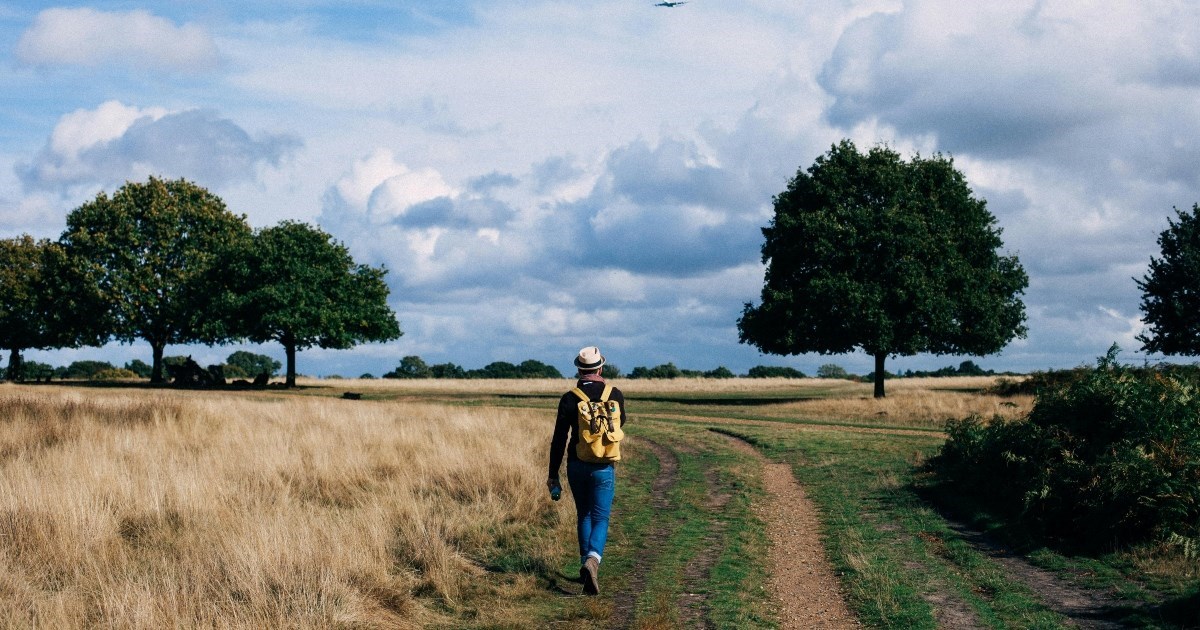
x,y
589,358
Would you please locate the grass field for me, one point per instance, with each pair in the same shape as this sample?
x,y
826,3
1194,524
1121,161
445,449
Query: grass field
x,y
423,505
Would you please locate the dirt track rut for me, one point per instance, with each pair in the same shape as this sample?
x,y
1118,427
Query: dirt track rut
x,y
802,582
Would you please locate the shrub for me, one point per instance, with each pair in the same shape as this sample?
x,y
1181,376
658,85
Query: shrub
x,y
139,367
1107,459
88,369
35,371
114,374
720,372
771,371
1038,381
667,370
832,370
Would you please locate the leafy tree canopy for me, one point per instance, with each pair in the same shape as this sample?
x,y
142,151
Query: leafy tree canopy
x,y
1171,289
411,366
832,370
152,247
139,367
774,371
46,300
871,252
299,287
87,369
251,364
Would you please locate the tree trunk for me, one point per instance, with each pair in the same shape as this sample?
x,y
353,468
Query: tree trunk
x,y
879,358
289,344
14,365
156,370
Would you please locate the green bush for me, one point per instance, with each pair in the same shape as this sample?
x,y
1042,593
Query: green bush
x,y
774,371
87,369
832,370
250,365
1108,459
139,367
114,374
719,372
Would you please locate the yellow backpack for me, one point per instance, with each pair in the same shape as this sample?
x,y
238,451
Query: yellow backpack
x,y
599,428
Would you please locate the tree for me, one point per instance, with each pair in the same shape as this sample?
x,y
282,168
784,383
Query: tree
x,y
531,368
666,370
86,370
295,285
1171,291
252,364
46,300
891,257
720,372
447,370
139,367
411,366
832,370
153,246
774,371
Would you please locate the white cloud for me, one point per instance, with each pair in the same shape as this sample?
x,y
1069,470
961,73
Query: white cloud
x,y
116,142
83,128
89,37
380,185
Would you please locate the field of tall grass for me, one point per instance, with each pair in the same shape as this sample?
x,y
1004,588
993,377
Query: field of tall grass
x,y
151,509
421,505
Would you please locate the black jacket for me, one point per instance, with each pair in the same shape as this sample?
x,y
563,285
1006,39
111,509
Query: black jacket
x,y
565,429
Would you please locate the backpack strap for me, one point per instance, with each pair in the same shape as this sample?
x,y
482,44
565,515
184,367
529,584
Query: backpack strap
x,y
603,396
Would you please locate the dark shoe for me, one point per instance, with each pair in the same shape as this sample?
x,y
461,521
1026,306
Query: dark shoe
x,y
590,574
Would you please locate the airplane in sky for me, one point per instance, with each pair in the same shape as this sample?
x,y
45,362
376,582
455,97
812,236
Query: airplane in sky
x,y
671,4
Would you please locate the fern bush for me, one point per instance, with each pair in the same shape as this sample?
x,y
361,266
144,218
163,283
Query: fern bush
x,y
1108,459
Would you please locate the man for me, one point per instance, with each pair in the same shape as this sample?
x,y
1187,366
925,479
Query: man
x,y
591,474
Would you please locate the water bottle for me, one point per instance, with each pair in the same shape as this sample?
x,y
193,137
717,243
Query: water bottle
x,y
555,492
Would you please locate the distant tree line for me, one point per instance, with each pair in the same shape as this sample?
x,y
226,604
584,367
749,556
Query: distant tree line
x,y
413,366
240,364
164,261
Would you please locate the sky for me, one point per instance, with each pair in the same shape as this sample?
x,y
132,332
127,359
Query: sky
x,y
538,176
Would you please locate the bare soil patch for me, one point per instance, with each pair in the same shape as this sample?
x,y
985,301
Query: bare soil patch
x,y
802,581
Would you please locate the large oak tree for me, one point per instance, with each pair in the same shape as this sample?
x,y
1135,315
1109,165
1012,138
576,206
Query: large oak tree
x,y
894,258
296,285
46,300
1171,289
153,246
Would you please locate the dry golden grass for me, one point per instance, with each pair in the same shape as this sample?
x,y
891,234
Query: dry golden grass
x,y
917,402
151,510
910,407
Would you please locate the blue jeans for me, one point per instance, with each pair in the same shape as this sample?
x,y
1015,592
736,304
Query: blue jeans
x,y
593,486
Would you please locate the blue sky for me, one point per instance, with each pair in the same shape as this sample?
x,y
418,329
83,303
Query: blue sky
x,y
539,176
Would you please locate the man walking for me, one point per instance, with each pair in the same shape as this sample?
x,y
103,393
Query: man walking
x,y
588,430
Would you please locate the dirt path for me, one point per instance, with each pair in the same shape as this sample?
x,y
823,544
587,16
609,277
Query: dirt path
x,y
1085,608
802,581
